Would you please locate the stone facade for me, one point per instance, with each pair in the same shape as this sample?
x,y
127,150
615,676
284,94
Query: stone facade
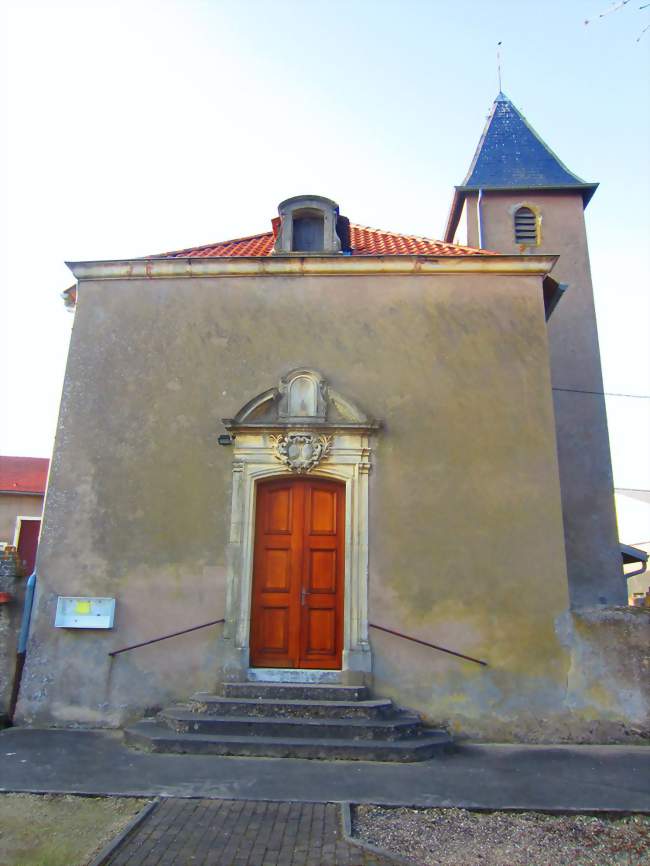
x,y
465,538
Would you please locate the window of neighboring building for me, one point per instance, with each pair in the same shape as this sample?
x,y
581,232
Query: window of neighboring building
x,y
526,227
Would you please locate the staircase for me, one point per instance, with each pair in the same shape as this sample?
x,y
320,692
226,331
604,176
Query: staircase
x,y
290,720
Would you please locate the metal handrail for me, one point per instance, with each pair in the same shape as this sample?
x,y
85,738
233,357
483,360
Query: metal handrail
x,y
430,645
371,625
165,637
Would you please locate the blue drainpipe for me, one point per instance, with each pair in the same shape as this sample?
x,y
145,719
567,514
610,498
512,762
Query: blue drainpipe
x,y
22,644
27,613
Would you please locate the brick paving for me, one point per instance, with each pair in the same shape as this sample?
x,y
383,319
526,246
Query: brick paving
x,y
184,832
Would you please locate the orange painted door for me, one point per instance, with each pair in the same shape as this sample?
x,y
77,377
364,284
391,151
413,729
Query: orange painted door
x,y
298,574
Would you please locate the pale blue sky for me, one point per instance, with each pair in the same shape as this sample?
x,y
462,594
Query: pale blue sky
x,y
137,127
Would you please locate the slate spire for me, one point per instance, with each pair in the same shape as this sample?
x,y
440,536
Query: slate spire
x,y
511,155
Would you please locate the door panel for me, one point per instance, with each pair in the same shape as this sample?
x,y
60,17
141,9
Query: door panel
x,y
276,576
298,574
322,511
320,631
278,510
321,575
275,629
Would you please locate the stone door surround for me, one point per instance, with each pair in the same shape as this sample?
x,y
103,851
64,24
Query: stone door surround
x,y
299,427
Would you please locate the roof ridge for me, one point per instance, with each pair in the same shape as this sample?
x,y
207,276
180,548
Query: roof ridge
x,y
539,138
397,234
388,232
417,238
210,245
481,141
366,240
22,457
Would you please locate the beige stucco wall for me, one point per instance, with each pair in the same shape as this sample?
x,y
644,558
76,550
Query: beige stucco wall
x,y
466,541
13,505
591,537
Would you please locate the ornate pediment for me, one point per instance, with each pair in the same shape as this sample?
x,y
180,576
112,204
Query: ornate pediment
x,y
302,399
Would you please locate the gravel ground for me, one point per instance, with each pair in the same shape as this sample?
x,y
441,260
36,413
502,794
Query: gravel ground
x,y
457,837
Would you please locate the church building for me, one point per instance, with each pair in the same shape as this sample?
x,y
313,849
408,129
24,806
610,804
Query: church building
x,y
360,460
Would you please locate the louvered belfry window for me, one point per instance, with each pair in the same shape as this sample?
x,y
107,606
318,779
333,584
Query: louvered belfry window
x,y
525,226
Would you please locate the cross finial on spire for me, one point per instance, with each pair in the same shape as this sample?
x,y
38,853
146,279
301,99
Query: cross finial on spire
x,y
499,64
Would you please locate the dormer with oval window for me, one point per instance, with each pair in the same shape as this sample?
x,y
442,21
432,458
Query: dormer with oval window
x,y
308,226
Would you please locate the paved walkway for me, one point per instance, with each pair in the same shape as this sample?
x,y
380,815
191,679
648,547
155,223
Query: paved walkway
x,y
242,833
561,778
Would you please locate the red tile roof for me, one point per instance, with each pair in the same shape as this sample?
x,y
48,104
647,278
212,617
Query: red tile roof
x,y
363,240
23,474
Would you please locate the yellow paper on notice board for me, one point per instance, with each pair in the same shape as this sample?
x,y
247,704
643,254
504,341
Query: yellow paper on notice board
x,y
82,607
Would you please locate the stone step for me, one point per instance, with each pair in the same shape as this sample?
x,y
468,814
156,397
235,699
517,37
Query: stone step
x,y
184,721
294,691
202,702
150,735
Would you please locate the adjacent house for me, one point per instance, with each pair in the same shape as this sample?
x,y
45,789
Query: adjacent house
x,y
633,512
22,489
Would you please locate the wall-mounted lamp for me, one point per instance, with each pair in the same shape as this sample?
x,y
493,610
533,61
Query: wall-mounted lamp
x,y
225,439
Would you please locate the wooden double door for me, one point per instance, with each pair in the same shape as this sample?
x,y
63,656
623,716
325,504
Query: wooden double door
x,y
298,574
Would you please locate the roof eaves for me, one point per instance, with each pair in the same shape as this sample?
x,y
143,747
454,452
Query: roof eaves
x,y
587,189
247,266
454,216
553,293
632,554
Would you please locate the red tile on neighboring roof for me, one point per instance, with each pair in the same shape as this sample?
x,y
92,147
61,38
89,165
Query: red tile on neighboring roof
x,y
23,474
364,241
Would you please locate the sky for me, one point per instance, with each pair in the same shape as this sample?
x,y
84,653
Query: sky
x,y
134,128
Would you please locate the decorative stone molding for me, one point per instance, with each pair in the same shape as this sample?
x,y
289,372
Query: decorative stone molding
x,y
302,398
335,446
303,395
254,459
309,265
301,451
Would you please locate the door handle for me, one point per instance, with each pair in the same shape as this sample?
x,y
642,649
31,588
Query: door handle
x,y
303,596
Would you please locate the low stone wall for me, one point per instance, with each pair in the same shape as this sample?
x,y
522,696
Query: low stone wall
x,y
10,617
608,687
597,692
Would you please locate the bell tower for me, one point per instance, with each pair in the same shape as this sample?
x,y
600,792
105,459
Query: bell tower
x,y
518,197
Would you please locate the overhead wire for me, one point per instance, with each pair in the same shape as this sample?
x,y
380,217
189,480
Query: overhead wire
x,y
602,393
